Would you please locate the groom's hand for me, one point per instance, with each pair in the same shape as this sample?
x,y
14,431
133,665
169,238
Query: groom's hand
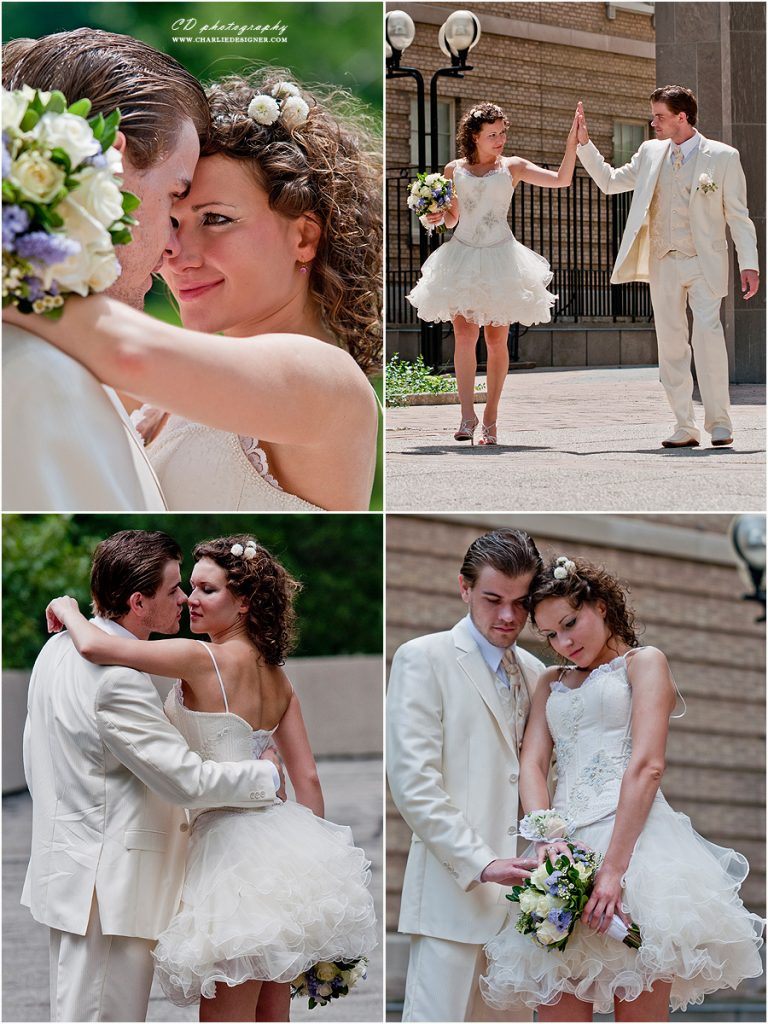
x,y
582,134
750,282
508,871
271,754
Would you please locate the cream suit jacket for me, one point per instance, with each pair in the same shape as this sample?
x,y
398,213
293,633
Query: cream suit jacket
x,y
68,445
453,768
105,767
709,212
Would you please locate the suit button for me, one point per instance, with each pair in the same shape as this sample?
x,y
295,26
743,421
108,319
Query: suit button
x,y
513,777
184,827
257,795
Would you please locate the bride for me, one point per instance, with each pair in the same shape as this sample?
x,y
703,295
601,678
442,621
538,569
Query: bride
x,y
268,894
607,715
279,249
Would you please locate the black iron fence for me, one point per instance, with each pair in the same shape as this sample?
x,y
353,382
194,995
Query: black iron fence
x,y
578,230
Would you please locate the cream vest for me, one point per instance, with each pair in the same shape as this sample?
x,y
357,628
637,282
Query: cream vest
x,y
670,220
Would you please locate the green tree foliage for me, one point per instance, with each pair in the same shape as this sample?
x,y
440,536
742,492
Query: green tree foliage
x,y
338,559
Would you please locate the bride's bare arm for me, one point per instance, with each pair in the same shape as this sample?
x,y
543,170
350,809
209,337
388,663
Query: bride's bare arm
x,y
172,658
536,752
282,388
293,745
524,170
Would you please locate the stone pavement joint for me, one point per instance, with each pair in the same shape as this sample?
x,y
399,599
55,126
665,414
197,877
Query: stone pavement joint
x,y
577,440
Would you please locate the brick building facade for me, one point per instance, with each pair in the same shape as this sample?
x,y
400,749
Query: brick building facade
x,y
686,589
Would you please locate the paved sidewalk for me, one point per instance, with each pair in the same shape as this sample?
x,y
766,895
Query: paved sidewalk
x,y
576,440
353,796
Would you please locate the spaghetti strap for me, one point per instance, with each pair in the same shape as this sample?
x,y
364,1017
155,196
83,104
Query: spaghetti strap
x,y
218,674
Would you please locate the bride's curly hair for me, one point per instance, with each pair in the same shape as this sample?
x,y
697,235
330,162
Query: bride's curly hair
x,y
329,166
472,122
587,583
268,588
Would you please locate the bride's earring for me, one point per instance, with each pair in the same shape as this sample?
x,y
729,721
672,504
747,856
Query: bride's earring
x,y
303,269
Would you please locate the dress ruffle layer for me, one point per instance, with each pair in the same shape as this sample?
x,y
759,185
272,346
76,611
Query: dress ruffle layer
x,y
492,285
267,894
681,890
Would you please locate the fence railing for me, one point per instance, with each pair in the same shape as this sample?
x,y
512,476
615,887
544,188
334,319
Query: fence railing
x,y
578,230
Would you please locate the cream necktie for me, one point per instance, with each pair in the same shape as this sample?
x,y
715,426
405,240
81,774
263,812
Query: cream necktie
x,y
519,702
677,154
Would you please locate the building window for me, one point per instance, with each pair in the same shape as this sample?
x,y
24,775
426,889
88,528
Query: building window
x,y
628,136
446,132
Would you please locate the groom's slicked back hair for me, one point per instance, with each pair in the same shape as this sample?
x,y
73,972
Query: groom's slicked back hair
x,y
153,91
512,552
129,562
678,99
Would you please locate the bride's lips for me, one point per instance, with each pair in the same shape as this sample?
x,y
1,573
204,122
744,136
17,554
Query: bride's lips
x,y
193,291
573,655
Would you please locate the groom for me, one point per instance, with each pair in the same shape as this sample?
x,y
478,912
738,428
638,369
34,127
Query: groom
x,y
457,706
686,189
108,775
67,442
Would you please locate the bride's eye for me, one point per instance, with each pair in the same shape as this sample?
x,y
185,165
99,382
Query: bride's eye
x,y
216,219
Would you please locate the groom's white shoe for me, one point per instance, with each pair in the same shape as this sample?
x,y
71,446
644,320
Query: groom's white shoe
x,y
721,436
681,438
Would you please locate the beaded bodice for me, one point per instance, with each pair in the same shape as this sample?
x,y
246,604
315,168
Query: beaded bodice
x,y
590,726
200,468
483,205
216,736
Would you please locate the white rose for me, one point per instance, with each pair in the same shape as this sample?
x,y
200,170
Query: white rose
x,y
114,161
325,971
104,270
14,109
584,871
264,109
70,133
425,191
295,112
529,901
81,225
91,269
325,990
539,876
29,94
547,933
283,89
37,178
99,196
431,179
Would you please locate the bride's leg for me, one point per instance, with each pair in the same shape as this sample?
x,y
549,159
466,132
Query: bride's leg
x,y
465,362
650,1006
274,1002
498,368
567,1008
232,1004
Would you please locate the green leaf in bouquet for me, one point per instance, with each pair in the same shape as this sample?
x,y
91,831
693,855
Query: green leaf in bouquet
x,y
80,108
61,157
121,236
10,193
548,866
53,314
130,202
29,120
108,139
312,1003
57,103
36,103
97,126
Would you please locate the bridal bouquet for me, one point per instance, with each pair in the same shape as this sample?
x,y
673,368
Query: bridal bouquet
x,y
553,898
430,193
63,210
328,980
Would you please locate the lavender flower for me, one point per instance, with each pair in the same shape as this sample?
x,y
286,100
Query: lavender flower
x,y
35,285
46,249
97,160
15,220
561,919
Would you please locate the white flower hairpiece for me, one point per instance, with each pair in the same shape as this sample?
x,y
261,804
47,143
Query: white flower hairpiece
x,y
563,568
248,552
284,102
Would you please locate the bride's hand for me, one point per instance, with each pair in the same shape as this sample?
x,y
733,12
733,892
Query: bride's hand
x,y
573,134
553,849
56,612
582,133
605,901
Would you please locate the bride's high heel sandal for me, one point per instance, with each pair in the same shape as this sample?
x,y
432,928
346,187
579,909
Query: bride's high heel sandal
x,y
466,431
489,435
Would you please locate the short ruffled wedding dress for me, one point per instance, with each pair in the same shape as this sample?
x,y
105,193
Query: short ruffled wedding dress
x,y
267,892
483,273
681,890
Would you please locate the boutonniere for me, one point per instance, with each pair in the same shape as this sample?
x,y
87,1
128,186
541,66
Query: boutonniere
x,y
706,184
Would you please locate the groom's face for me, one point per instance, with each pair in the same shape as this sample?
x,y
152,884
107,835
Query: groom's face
x,y
159,187
163,609
497,604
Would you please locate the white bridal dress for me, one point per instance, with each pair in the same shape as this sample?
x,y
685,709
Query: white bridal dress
x,y
267,892
681,890
483,273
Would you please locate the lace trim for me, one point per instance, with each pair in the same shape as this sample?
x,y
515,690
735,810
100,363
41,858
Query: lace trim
x,y
558,686
257,458
494,170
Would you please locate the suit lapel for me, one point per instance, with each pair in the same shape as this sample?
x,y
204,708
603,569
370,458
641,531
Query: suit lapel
x,y
703,161
472,663
658,155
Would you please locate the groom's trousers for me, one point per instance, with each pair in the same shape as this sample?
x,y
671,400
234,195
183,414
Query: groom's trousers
x,y
443,984
98,977
676,279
